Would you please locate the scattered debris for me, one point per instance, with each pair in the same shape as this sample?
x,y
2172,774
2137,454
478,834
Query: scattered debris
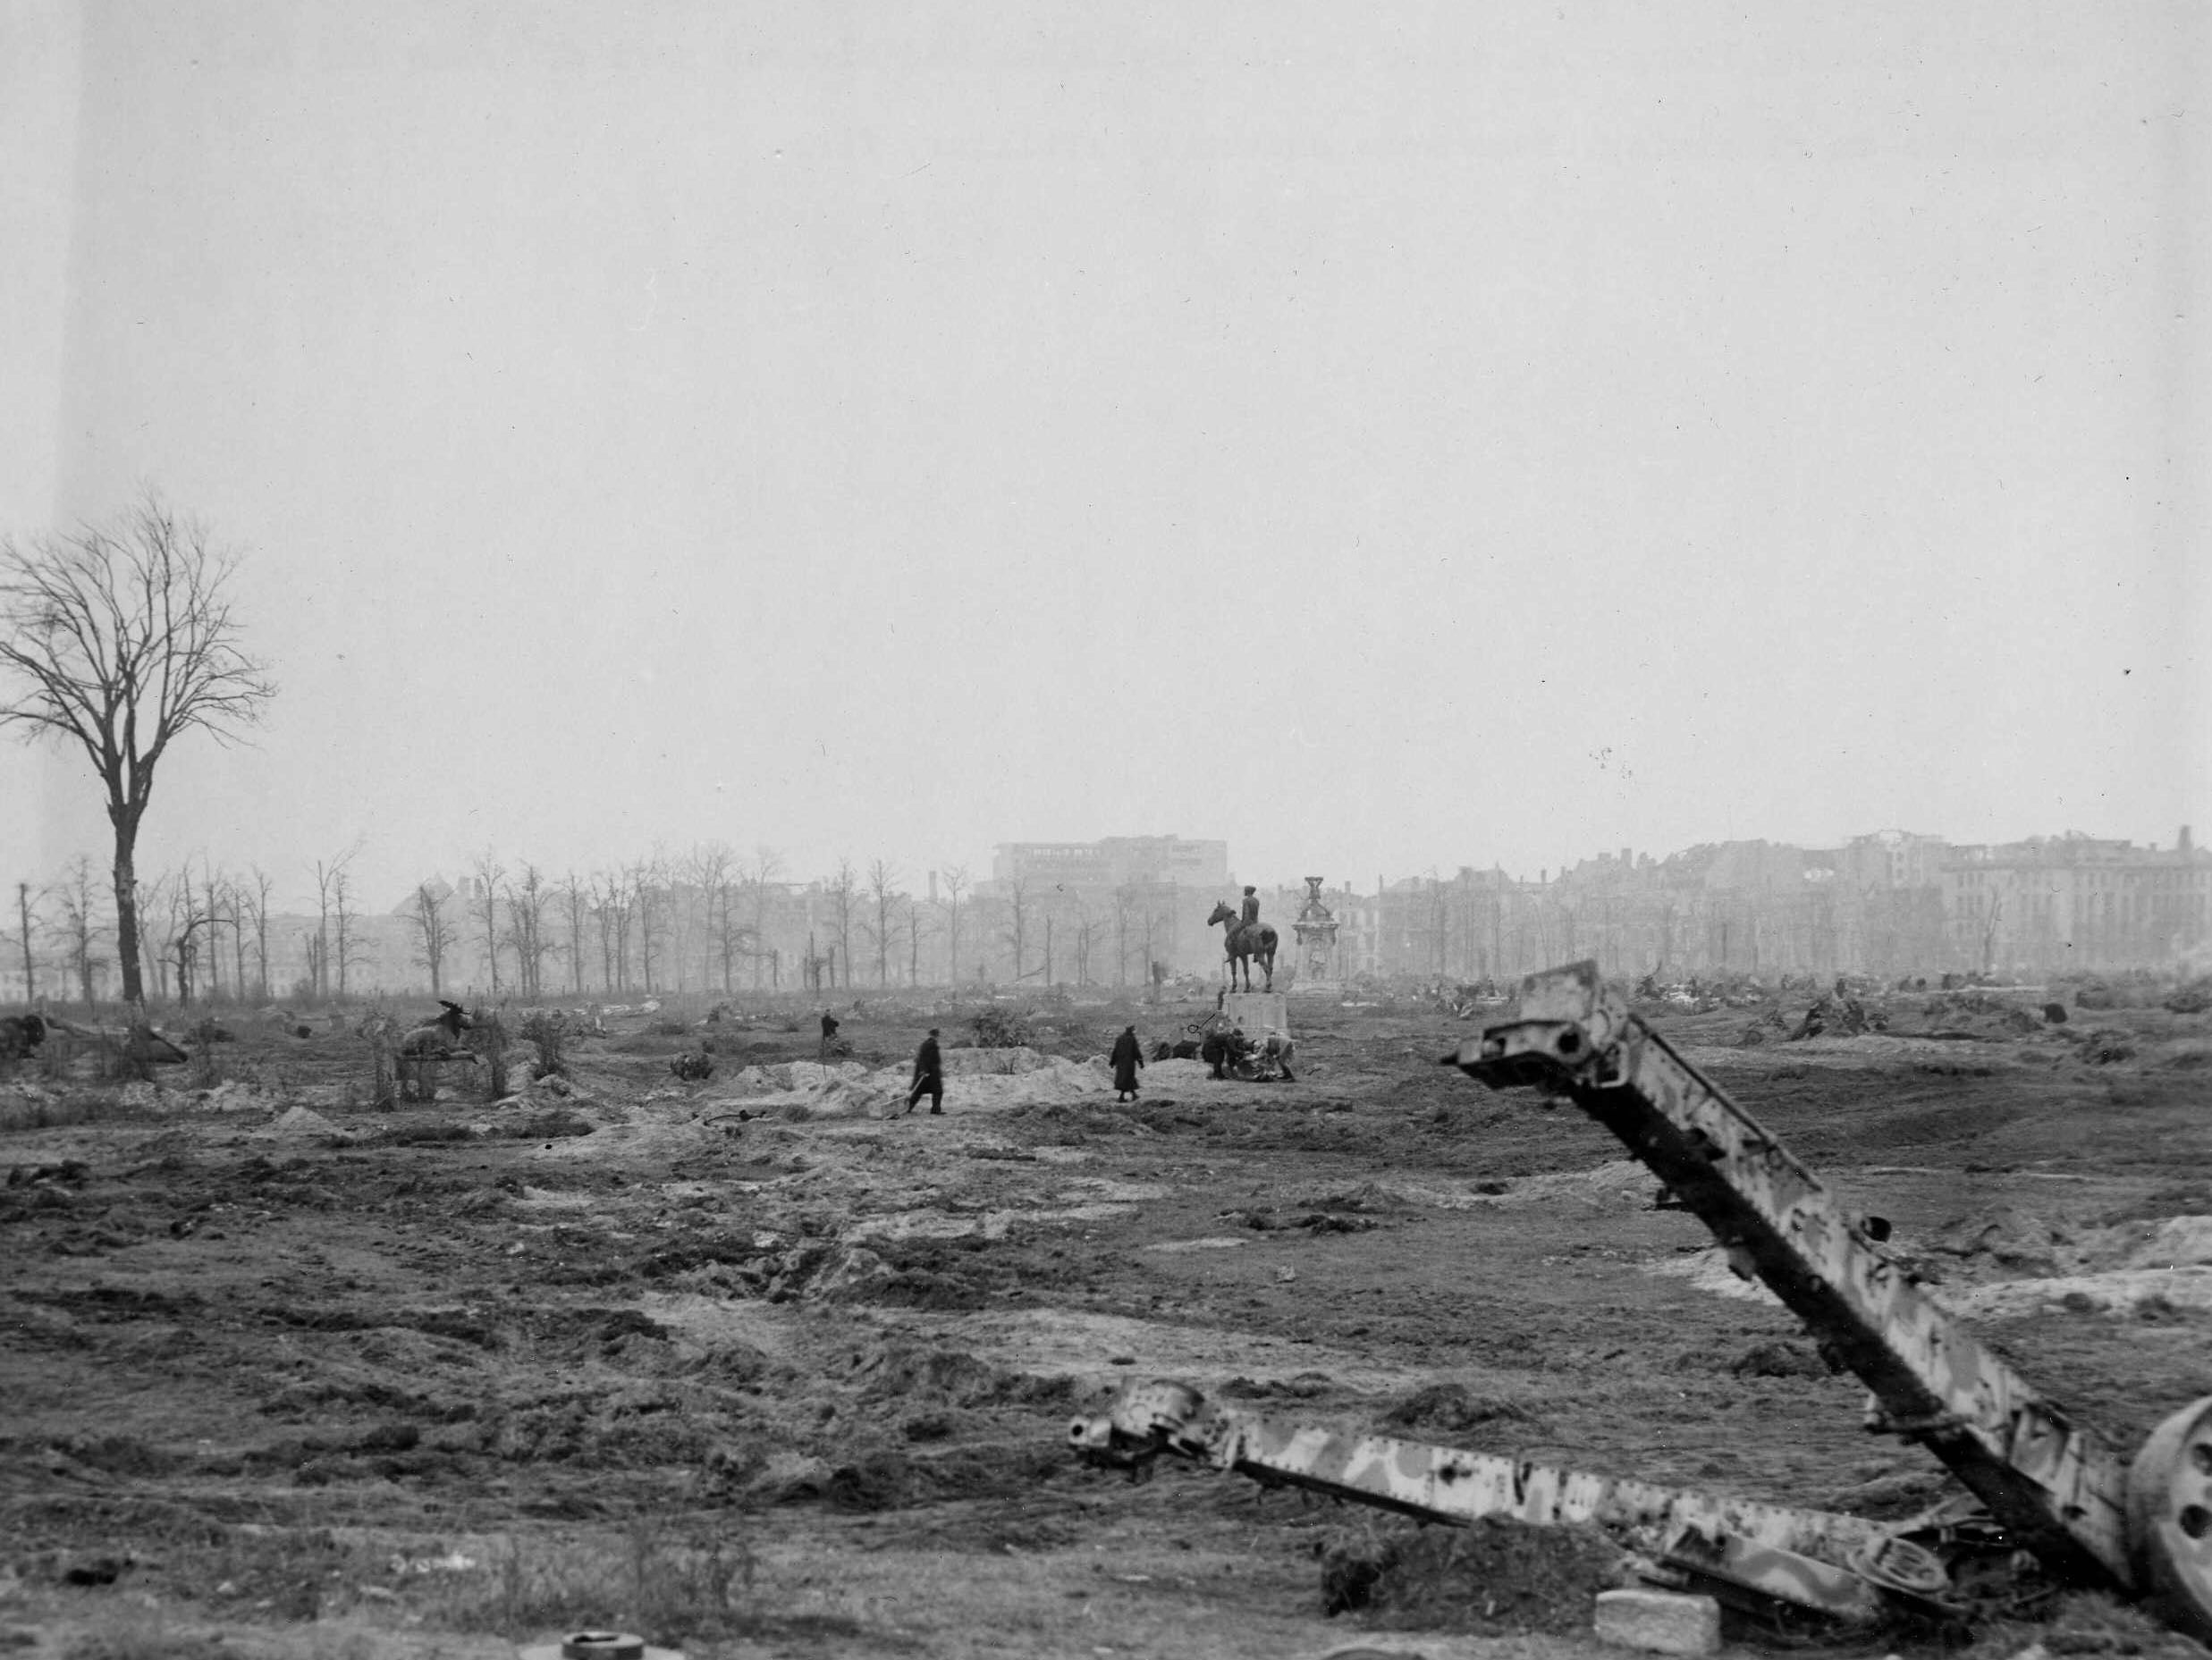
x,y
1665,1622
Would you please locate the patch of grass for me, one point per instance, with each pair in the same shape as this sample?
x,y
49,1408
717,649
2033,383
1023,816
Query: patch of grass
x,y
130,1632
668,1585
145,1637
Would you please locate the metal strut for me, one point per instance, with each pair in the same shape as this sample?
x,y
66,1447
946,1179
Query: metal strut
x,y
2055,1484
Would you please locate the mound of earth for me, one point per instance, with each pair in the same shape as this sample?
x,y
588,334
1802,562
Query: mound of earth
x,y
1495,1577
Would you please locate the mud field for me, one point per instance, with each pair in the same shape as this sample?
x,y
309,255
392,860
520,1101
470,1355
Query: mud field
x,y
747,1366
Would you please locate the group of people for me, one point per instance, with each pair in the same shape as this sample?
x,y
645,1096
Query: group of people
x,y
929,1070
1127,1058
1231,1054
1228,1051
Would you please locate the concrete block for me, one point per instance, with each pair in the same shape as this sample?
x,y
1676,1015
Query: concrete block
x,y
1665,1622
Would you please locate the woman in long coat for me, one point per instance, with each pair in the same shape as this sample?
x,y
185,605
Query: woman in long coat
x,y
1128,1056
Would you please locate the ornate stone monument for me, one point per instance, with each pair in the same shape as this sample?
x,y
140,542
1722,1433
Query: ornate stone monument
x,y
1316,929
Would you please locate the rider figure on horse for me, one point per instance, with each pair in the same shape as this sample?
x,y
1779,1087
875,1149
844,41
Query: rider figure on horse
x,y
1246,939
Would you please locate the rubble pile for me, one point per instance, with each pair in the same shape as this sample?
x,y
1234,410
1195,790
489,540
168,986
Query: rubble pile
x,y
974,1078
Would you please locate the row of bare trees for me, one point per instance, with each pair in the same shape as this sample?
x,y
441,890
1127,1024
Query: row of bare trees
x,y
642,925
705,919
201,932
709,919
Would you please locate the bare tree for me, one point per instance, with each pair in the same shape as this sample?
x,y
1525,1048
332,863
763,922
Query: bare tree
x,y
647,879
122,638
915,929
766,865
1084,927
1017,909
612,907
434,935
525,929
177,946
22,914
255,900
488,873
77,894
329,874
234,918
576,900
714,868
352,954
843,888
1121,934
190,933
214,902
955,884
154,903
884,900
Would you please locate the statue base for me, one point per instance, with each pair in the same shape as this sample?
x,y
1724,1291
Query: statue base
x,y
1257,1012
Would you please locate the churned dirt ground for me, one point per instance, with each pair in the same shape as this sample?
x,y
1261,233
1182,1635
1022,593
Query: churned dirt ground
x,y
286,1375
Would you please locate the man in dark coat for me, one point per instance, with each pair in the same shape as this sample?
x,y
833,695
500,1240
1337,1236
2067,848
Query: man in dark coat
x,y
828,1033
1129,1057
928,1076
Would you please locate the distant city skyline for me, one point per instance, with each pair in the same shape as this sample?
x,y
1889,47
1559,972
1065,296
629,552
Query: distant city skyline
x,y
294,882
1882,902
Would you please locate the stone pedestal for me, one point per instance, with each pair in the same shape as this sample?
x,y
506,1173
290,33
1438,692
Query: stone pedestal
x,y
1257,1012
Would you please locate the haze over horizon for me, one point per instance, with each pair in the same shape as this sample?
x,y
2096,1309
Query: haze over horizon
x,y
1383,441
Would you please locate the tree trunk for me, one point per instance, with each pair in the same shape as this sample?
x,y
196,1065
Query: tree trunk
x,y
23,905
126,825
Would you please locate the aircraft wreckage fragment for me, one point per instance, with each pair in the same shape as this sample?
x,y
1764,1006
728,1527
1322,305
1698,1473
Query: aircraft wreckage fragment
x,y
2054,1498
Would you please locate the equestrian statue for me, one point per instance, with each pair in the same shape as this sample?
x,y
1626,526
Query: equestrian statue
x,y
1245,939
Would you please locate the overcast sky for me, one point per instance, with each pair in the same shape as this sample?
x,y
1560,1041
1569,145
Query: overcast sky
x,y
1385,438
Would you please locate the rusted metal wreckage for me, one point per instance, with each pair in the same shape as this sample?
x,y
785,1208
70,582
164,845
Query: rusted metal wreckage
x,y
2053,1503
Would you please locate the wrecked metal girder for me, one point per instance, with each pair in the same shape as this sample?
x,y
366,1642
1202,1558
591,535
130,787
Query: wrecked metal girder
x,y
1432,1482
1771,1552
2064,1492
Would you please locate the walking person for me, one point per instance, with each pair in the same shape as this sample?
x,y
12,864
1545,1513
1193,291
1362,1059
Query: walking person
x,y
829,1034
1128,1059
928,1076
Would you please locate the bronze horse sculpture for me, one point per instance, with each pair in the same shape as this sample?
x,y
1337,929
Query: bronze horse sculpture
x,y
1243,942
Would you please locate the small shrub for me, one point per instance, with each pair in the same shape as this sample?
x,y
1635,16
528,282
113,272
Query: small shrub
x,y
544,1032
491,1041
206,1074
1003,1028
